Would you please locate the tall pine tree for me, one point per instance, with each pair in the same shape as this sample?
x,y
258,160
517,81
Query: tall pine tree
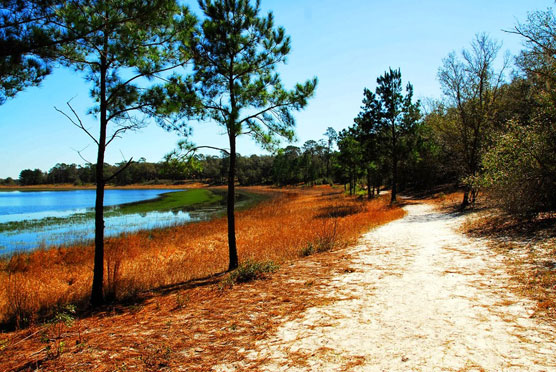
x,y
128,43
235,55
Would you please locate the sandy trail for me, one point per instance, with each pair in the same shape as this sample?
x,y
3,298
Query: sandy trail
x,y
418,296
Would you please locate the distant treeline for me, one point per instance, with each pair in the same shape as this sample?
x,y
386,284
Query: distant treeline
x,y
311,164
292,165
316,162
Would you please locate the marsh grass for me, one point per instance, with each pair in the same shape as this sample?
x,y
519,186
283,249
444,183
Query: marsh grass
x,y
171,201
276,230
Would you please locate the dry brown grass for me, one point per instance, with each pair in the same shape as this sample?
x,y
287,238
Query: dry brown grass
x,y
446,202
200,324
34,285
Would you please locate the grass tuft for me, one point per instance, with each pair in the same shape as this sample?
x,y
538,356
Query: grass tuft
x,y
252,270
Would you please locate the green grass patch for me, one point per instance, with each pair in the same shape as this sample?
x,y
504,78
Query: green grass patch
x,y
171,201
43,222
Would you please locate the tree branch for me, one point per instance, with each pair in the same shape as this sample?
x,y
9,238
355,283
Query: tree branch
x,y
118,131
194,149
106,180
262,112
78,123
81,156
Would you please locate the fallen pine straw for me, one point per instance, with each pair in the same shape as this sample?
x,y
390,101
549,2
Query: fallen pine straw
x,y
528,248
190,329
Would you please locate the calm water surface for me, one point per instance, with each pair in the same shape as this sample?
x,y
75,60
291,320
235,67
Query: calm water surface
x,y
35,205
30,205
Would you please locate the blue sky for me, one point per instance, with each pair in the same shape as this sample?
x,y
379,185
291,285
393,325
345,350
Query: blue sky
x,y
346,44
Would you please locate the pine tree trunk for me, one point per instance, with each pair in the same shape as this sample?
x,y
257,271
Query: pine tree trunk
x,y
394,180
369,187
97,295
394,164
232,248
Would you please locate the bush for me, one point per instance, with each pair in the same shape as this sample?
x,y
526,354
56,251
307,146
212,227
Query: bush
x,y
520,171
252,270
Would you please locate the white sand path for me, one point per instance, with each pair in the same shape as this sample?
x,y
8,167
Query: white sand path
x,y
421,297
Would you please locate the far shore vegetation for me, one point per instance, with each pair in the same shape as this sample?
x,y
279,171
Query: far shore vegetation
x,y
171,201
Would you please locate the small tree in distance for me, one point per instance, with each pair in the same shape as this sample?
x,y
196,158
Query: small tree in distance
x,y
387,118
235,54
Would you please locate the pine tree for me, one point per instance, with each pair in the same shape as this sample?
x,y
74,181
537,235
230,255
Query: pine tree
x,y
128,42
235,55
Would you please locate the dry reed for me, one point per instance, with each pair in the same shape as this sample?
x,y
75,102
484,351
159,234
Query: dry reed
x,y
34,285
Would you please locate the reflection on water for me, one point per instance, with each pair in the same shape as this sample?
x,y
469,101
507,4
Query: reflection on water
x,y
32,205
66,234
36,205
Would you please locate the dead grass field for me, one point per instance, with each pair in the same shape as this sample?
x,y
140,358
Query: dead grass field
x,y
172,319
294,222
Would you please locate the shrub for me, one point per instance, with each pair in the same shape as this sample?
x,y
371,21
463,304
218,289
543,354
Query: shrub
x,y
520,170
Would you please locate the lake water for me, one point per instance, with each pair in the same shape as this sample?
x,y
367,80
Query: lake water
x,y
35,205
30,205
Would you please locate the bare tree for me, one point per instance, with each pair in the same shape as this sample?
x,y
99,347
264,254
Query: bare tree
x,y
472,86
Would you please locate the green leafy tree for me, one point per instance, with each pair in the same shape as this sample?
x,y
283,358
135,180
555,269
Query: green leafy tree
x,y
127,43
31,38
350,157
235,55
519,169
177,166
331,138
312,161
286,166
367,130
31,177
28,44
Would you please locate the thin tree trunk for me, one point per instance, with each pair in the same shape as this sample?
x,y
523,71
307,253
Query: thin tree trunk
x,y
234,262
465,201
394,178
370,190
394,164
97,295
